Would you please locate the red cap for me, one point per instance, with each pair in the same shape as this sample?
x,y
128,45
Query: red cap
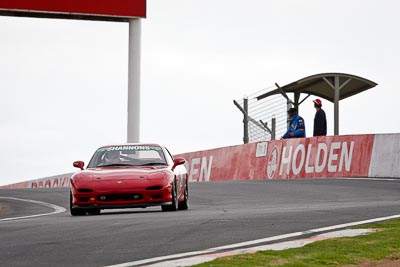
x,y
318,102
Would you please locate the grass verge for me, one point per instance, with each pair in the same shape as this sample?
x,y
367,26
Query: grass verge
x,y
383,244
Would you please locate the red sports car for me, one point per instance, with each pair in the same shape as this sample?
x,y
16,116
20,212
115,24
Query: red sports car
x,y
129,176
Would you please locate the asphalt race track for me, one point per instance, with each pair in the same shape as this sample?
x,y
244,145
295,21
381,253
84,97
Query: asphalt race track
x,y
221,213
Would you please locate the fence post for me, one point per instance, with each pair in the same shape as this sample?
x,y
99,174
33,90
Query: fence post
x,y
244,110
245,121
289,106
273,134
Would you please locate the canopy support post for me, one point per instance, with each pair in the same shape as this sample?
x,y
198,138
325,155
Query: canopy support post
x,y
336,103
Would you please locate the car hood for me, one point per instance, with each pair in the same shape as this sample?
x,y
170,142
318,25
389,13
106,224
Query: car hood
x,y
121,173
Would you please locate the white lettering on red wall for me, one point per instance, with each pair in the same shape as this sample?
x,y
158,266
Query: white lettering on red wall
x,y
51,183
296,160
199,169
334,156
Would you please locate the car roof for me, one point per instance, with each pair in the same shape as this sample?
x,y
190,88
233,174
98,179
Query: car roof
x,y
133,144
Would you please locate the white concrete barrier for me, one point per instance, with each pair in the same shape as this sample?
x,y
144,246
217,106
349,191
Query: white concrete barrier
x,y
385,160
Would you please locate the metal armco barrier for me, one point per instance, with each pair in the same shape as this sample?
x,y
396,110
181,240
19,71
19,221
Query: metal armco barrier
x,y
321,157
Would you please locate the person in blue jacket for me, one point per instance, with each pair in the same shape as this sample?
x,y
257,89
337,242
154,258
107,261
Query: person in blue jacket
x,y
297,126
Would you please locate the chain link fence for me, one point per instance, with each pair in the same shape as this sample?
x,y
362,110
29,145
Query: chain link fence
x,y
264,119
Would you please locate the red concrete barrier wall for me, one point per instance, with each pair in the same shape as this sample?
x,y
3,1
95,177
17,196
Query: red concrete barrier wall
x,y
332,156
321,157
17,185
62,180
227,163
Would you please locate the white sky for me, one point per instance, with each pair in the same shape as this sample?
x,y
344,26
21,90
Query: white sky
x,y
64,82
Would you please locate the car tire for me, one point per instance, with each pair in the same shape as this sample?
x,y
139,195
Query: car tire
x,y
185,203
174,205
75,211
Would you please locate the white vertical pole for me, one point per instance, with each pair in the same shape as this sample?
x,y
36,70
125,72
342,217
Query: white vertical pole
x,y
134,81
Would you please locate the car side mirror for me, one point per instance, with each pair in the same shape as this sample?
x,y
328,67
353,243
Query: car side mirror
x,y
178,161
79,164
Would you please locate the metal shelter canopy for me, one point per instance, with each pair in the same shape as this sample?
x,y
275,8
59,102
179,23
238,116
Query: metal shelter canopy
x,y
330,86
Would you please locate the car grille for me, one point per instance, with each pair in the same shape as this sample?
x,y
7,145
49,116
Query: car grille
x,y
116,197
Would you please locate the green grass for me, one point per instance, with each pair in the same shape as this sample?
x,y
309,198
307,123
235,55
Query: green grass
x,y
383,244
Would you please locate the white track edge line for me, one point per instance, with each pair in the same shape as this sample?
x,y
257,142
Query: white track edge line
x,y
57,209
254,242
370,178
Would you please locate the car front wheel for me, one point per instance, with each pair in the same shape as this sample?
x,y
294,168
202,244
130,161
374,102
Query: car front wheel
x,y
75,211
174,195
185,203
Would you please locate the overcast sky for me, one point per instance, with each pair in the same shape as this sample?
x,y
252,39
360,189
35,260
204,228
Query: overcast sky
x,y
64,82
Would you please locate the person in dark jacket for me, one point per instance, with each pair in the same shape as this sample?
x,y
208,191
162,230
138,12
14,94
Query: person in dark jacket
x,y
319,119
297,126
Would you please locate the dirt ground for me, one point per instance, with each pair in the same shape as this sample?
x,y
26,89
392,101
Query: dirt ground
x,y
381,263
3,209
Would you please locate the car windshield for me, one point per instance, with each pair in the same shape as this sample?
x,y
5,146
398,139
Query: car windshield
x,y
128,155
